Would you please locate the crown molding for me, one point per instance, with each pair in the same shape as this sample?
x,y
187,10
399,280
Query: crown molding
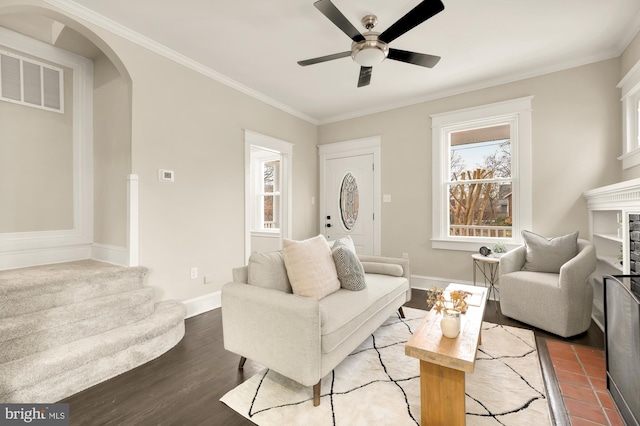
x,y
485,84
78,11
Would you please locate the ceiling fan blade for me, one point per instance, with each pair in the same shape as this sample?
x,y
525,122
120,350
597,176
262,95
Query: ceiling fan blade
x,y
414,58
329,10
415,17
365,76
324,58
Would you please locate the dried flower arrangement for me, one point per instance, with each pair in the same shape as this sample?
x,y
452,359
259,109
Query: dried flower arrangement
x,y
437,300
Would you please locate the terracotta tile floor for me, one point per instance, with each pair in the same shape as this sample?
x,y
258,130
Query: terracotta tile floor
x,y
581,374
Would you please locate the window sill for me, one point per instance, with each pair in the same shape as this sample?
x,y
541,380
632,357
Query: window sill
x,y
272,233
469,245
630,159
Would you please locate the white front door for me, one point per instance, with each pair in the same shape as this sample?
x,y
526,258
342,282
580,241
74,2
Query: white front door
x,y
349,200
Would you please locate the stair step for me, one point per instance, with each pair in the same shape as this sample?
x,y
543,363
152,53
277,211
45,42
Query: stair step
x,y
59,372
42,287
42,330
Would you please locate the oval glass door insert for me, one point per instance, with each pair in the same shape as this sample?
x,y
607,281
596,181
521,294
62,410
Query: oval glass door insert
x,y
349,201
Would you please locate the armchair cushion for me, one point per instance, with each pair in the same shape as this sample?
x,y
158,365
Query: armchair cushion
x,y
548,255
310,267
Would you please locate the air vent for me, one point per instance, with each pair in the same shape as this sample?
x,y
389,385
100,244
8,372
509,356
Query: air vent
x,y
31,83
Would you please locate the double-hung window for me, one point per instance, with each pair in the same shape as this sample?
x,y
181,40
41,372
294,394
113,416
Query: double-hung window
x,y
482,175
267,195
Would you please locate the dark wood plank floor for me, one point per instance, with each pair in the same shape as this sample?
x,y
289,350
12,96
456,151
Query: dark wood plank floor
x,y
183,387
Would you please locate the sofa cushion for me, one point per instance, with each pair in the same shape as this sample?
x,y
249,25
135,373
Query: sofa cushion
x,y
268,270
392,269
348,266
345,311
548,255
310,267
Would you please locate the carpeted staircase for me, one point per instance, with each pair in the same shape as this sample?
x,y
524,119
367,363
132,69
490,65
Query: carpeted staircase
x,y
68,326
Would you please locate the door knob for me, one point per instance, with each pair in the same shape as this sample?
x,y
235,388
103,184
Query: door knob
x,y
328,225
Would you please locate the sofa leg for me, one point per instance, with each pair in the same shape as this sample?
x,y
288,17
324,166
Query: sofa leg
x,y
242,361
401,312
316,393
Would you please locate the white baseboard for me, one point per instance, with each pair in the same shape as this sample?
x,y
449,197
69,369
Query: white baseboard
x,y
44,256
202,304
110,254
420,282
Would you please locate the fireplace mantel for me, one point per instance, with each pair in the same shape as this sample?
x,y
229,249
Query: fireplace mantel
x,y
610,208
622,195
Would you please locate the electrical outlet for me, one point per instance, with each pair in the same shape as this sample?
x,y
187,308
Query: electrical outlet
x,y
208,279
405,255
194,272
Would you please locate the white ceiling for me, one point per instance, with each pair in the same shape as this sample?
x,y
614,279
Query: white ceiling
x,y
257,43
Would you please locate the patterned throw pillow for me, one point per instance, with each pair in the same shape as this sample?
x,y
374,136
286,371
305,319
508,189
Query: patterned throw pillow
x,y
350,270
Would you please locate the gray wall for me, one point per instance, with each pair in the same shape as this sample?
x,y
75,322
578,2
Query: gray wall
x,y
576,139
36,165
111,152
190,123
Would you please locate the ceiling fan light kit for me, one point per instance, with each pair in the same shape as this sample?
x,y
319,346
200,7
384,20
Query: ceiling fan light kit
x,y
372,48
369,52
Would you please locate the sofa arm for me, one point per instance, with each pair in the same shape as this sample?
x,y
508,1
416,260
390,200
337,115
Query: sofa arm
x,y
381,261
280,331
512,260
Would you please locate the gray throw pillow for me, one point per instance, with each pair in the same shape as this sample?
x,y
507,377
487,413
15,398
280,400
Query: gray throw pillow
x,y
548,255
349,268
268,270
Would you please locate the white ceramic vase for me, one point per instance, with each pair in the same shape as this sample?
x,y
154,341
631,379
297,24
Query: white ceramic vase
x,y
450,323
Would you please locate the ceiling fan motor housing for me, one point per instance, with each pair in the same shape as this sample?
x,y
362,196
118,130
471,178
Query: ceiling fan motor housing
x,y
369,52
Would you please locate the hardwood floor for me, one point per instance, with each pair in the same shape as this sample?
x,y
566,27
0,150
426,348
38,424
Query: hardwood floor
x,y
183,386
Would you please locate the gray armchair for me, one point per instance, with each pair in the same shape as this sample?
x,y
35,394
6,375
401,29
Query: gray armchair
x,y
558,303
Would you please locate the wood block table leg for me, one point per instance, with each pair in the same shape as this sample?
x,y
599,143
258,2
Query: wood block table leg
x,y
442,399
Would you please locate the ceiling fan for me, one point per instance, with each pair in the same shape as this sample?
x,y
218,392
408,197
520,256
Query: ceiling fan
x,y
371,48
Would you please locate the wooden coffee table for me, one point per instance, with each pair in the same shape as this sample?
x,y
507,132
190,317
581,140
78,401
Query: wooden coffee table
x,y
444,361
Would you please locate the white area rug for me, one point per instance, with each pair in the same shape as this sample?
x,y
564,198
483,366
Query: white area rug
x,y
379,385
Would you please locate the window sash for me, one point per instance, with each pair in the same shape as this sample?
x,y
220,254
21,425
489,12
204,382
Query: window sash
x,y
517,113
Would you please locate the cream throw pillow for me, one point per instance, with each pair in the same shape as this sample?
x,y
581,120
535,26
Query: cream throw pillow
x,y
310,267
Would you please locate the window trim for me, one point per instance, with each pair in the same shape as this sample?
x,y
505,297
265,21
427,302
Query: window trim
x,y
515,111
630,88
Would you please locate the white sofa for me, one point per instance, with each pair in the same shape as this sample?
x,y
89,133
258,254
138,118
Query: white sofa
x,y
305,339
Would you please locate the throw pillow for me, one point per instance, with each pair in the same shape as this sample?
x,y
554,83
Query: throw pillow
x,y
348,266
348,242
548,255
310,267
268,270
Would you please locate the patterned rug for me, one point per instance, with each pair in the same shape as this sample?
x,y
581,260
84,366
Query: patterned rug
x,y
379,385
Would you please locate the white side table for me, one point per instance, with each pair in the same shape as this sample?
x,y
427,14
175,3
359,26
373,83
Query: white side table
x,y
488,266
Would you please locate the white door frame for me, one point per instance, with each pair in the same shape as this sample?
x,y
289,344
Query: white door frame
x,y
370,145
285,149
